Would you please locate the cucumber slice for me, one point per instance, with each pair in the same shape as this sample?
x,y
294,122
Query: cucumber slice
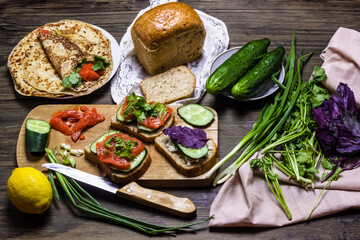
x,y
196,114
101,138
119,117
141,127
193,153
136,162
36,135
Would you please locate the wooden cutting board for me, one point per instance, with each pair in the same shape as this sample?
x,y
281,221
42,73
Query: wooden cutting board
x,y
161,172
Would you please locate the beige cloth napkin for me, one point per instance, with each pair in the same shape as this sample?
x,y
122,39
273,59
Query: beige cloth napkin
x,y
246,200
342,61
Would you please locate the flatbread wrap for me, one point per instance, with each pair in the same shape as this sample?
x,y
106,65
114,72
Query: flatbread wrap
x,y
36,68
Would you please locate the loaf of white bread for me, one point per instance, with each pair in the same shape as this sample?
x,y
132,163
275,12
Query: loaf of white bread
x,y
167,36
170,86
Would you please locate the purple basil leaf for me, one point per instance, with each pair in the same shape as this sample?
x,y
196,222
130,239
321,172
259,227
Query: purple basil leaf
x,y
352,124
321,116
338,123
326,140
350,150
335,107
188,137
348,97
351,163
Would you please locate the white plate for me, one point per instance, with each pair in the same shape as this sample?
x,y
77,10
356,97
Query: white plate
x,y
270,88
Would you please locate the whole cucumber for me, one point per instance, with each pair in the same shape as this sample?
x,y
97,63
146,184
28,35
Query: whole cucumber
x,y
257,77
228,73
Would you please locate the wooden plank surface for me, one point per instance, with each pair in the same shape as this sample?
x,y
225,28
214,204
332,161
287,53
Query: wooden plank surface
x,y
314,22
161,172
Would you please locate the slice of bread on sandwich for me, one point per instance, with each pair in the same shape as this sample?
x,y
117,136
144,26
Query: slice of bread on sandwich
x,y
118,176
183,164
170,86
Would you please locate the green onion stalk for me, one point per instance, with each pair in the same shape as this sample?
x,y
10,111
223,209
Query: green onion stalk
x,y
266,165
85,203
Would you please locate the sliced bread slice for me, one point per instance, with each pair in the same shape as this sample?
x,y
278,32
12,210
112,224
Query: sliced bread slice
x,y
170,86
184,165
118,176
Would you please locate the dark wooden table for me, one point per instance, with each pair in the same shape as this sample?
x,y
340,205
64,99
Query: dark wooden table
x,y
314,21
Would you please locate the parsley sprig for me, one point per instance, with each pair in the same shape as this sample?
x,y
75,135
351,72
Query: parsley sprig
x,y
141,109
72,81
100,63
121,147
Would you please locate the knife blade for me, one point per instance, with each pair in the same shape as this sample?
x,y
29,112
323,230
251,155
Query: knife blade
x,y
166,202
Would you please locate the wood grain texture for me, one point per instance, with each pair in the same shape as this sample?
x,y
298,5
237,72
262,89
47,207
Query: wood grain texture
x,y
314,22
161,172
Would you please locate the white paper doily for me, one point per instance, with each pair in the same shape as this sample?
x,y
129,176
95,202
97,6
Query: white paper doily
x,y
130,71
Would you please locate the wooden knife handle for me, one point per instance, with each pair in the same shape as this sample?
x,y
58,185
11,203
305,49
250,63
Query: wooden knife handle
x,y
182,207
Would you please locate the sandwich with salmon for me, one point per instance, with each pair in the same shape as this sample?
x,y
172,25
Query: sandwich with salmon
x,y
122,158
142,119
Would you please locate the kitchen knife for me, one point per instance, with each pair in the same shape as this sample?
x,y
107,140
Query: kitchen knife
x,y
182,207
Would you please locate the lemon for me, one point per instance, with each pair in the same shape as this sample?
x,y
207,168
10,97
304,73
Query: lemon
x,y
29,190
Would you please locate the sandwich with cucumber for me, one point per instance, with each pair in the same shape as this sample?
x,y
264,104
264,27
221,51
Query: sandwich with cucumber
x,y
121,157
188,149
142,119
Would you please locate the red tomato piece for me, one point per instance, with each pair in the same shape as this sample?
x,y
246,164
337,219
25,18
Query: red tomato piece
x,y
156,122
87,74
62,120
58,124
100,72
124,107
44,31
106,154
72,122
89,118
84,108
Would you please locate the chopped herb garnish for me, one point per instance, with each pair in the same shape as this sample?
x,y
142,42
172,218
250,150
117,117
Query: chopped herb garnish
x,y
57,32
121,147
72,81
141,109
100,63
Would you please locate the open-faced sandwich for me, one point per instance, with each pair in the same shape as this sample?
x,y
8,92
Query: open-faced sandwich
x,y
188,149
142,119
63,58
121,157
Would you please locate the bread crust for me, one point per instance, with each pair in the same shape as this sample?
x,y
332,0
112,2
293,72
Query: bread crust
x,y
117,176
165,21
132,129
167,36
179,162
